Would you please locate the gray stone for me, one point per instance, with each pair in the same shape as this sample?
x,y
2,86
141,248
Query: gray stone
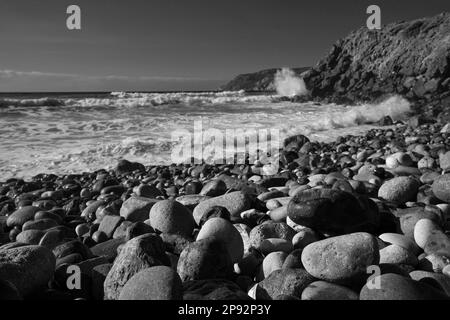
x,y
441,187
109,224
137,254
108,249
136,208
284,282
42,224
328,211
342,259
155,283
214,188
322,290
170,216
235,202
399,189
98,277
214,289
396,287
28,268
205,259
269,230
22,215
30,236
223,230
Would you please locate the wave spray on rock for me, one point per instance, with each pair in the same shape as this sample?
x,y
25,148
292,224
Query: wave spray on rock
x,y
288,84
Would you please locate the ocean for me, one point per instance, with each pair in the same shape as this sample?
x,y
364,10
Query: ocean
x,y
77,132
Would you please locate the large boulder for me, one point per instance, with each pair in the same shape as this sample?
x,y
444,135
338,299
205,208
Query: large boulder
x,y
342,259
170,216
72,247
394,254
155,283
109,224
30,236
224,231
396,287
270,230
22,215
273,261
98,276
438,243
235,202
444,161
214,289
399,190
41,224
328,211
441,187
137,208
147,191
284,282
28,268
125,166
108,249
137,254
438,280
410,216
205,259
214,188
322,290
190,201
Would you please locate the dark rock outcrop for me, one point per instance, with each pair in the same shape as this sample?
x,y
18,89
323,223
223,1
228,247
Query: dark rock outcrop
x,y
408,58
257,81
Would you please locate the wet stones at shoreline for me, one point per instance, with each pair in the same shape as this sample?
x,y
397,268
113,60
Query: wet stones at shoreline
x,y
312,231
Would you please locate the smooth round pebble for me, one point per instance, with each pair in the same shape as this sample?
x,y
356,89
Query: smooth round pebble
x,y
223,230
273,261
274,244
422,231
304,237
322,290
155,283
170,216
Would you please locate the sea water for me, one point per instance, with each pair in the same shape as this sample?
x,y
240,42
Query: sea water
x,y
74,133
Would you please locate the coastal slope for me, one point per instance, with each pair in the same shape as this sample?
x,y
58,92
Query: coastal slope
x,y
407,58
258,81
411,59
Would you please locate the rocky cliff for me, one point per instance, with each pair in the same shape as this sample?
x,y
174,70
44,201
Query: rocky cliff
x,y
258,81
407,58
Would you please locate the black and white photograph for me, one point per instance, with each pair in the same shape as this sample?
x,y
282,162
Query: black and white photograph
x,y
224,155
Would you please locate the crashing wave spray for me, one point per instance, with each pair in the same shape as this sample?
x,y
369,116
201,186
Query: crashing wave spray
x,y
395,106
288,84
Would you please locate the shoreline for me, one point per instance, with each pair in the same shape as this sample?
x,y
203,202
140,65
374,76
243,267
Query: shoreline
x,y
346,198
330,121
361,131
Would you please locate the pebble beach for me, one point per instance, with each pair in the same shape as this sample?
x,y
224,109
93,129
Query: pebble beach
x,y
364,217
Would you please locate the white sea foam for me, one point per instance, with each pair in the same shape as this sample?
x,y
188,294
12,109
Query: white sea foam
x,y
396,107
288,84
137,99
88,133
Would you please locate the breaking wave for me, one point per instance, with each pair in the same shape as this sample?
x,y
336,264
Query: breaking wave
x,y
395,107
127,99
62,135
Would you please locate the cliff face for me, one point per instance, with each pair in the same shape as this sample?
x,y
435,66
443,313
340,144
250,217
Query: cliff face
x,y
258,81
407,58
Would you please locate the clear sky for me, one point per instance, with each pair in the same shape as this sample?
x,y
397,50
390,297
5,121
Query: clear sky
x,y
173,44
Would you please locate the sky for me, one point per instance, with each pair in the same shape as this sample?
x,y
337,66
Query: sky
x,y
169,45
